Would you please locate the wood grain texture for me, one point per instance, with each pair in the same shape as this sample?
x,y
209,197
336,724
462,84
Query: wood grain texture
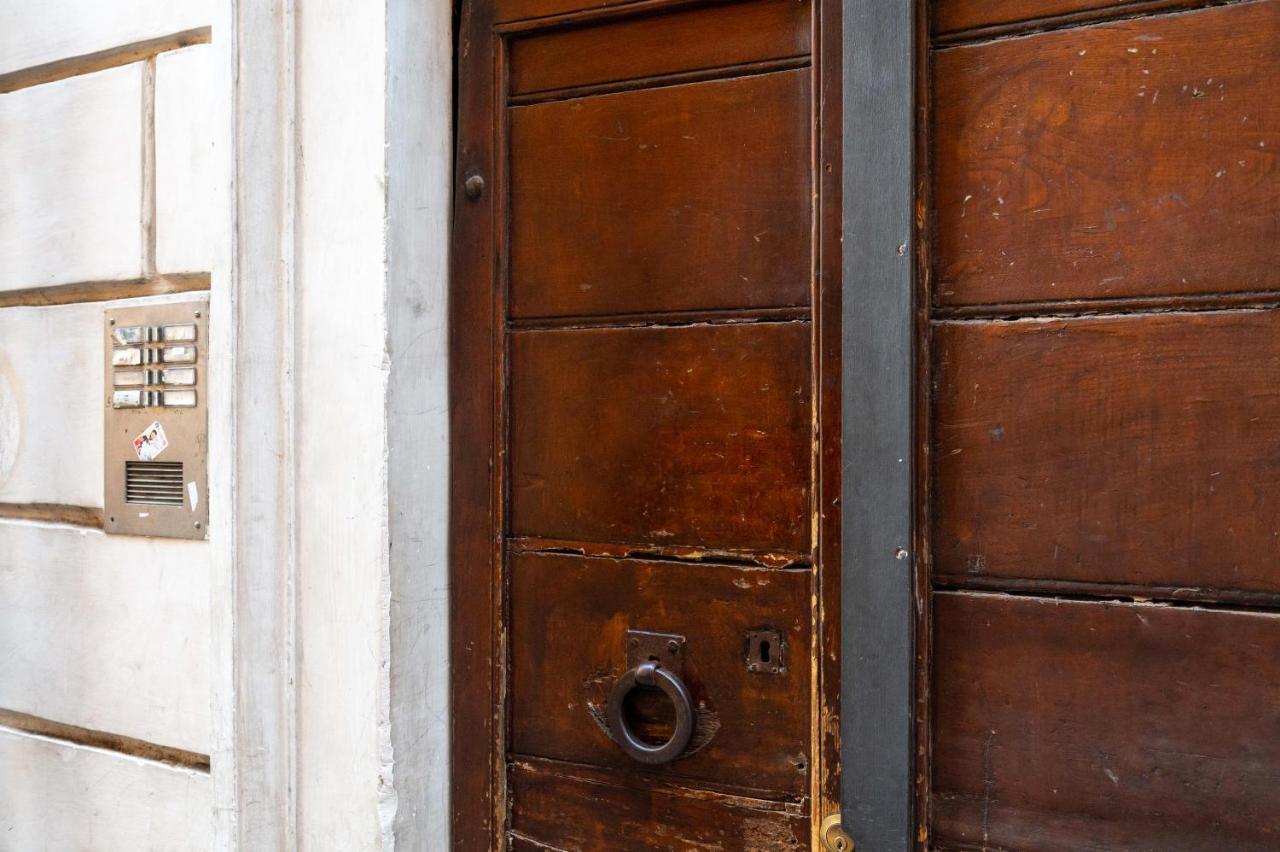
x,y
59,796
950,16
53,513
684,40
680,198
106,633
506,11
1135,450
696,436
753,729
105,291
128,746
1134,158
1078,726
477,793
566,808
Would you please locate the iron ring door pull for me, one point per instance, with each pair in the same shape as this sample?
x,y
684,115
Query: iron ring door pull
x,y
651,674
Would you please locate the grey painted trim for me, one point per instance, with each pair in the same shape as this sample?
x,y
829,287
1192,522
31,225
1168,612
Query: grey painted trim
x,y
419,103
876,598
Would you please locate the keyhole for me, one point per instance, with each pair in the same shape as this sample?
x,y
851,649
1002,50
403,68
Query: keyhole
x,y
764,652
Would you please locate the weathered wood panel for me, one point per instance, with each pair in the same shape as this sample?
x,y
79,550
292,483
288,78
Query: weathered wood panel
x,y
66,28
692,436
106,633
1134,158
1135,449
753,728
566,808
71,154
516,10
663,199
188,207
57,796
1066,725
686,40
947,16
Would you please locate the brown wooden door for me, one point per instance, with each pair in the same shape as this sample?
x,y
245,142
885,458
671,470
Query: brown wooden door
x,y
645,342
1103,466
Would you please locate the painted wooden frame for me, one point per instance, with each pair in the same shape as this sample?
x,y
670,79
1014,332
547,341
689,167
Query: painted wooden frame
x,y
881,41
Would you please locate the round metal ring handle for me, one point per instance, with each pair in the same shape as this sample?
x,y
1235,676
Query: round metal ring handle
x,y
651,674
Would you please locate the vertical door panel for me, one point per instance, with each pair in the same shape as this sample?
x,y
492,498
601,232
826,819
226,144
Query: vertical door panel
x,y
636,383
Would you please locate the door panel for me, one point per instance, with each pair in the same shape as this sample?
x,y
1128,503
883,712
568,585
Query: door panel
x,y
1075,725
663,199
687,437
1132,450
1135,158
645,349
753,727
1100,600
675,42
950,16
565,804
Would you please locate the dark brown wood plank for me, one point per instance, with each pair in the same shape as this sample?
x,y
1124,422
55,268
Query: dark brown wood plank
x,y
951,16
1135,158
560,808
1069,725
106,740
1137,450
753,729
684,40
690,197
695,436
477,792
506,11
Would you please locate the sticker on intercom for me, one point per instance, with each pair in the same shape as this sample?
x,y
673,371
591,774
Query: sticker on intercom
x,y
151,443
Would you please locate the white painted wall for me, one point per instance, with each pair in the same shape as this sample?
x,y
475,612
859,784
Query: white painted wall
x,y
112,634
292,647
187,147
55,796
109,633
71,179
341,384
35,33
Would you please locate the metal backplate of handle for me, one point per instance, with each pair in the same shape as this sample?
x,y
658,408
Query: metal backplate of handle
x,y
656,660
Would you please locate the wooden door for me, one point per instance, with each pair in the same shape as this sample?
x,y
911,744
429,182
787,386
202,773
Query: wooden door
x,y
1102,505
645,370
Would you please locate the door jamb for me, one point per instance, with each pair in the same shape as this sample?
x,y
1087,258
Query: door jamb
x,y
881,43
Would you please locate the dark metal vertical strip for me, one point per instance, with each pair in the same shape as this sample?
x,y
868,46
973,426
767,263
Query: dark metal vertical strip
x,y
877,614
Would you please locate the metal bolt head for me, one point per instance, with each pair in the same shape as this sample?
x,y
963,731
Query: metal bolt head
x,y
673,646
473,187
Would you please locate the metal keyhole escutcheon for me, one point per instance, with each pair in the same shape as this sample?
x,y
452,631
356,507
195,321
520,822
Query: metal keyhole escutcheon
x,y
651,674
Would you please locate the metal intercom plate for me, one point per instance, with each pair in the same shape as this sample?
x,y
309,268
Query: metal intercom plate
x,y
156,443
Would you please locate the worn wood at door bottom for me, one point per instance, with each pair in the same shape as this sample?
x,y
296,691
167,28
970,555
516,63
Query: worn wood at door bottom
x,y
576,809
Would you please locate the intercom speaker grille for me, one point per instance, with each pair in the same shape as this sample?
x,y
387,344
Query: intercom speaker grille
x,y
153,483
